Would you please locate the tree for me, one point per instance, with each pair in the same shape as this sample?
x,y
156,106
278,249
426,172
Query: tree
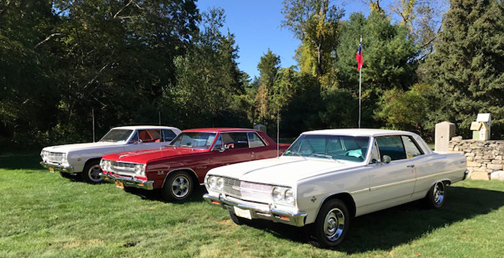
x,y
209,84
316,24
466,67
27,92
268,67
389,60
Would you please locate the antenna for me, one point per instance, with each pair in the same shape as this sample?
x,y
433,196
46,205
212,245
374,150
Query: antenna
x,y
159,115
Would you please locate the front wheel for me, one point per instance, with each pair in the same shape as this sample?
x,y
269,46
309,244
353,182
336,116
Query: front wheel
x,y
178,186
436,196
332,224
91,172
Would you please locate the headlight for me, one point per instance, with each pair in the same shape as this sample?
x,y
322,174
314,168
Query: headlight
x,y
103,164
64,158
211,182
283,195
139,169
289,196
220,183
277,194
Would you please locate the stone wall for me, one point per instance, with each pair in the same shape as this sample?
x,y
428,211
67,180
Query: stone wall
x,y
485,159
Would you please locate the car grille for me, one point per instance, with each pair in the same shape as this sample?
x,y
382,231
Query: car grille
x,y
247,190
122,167
55,157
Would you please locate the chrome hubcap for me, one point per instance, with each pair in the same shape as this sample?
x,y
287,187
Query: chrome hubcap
x,y
94,173
180,186
438,193
334,224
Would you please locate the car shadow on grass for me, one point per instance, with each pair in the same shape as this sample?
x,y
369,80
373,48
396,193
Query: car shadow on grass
x,y
155,195
386,229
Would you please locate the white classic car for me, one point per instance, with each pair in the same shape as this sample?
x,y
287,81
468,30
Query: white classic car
x,y
84,158
328,176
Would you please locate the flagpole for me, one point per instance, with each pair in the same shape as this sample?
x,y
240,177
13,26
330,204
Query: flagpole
x,y
360,88
360,94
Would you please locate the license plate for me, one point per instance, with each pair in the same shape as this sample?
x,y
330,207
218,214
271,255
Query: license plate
x,y
119,184
242,213
51,169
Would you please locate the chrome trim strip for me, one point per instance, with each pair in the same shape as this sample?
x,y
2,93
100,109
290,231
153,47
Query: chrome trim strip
x,y
392,184
360,191
439,174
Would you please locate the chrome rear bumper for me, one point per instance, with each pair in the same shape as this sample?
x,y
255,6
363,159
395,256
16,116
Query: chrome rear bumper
x,y
258,211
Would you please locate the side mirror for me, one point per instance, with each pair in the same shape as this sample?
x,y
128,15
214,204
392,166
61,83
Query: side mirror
x,y
386,159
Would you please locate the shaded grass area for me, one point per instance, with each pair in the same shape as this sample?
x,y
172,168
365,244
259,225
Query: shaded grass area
x,y
45,215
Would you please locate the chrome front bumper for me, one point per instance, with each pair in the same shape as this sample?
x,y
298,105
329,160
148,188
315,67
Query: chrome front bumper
x,y
128,182
258,211
58,168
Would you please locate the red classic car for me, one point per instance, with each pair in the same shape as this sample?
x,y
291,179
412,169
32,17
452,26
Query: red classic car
x,y
182,164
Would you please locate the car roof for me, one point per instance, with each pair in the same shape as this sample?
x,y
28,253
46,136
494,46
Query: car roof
x,y
358,132
220,130
140,127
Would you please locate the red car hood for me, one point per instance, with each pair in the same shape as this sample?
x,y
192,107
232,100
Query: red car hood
x,y
145,156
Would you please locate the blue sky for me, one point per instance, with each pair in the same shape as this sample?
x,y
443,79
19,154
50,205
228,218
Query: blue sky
x,y
256,25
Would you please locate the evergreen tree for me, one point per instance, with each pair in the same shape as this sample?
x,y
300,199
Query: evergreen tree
x,y
466,67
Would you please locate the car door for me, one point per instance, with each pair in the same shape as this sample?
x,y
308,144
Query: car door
x,y
231,148
390,183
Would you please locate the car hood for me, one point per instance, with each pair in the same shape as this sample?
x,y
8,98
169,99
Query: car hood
x,y
281,171
151,155
82,146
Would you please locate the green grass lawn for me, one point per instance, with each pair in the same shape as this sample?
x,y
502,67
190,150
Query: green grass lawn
x,y
45,215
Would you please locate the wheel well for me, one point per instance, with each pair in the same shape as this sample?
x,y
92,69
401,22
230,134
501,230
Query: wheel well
x,y
346,198
90,161
191,173
446,182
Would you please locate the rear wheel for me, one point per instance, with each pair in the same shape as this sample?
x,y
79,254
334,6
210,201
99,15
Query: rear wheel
x,y
436,196
178,186
332,224
91,172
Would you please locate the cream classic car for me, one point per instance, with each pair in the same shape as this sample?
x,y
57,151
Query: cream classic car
x,y
84,158
328,176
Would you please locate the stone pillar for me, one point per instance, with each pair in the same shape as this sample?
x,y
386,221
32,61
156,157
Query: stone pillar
x,y
444,132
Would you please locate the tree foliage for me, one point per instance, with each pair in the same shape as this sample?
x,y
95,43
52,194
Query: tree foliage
x,y
466,67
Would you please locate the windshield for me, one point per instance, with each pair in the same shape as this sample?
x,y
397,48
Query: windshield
x,y
194,140
330,147
116,135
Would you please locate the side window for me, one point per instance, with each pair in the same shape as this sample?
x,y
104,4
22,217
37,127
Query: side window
x,y
134,139
375,154
411,147
391,146
254,140
218,143
168,135
235,140
149,135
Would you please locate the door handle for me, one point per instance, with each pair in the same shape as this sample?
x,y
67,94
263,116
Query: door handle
x,y
410,166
